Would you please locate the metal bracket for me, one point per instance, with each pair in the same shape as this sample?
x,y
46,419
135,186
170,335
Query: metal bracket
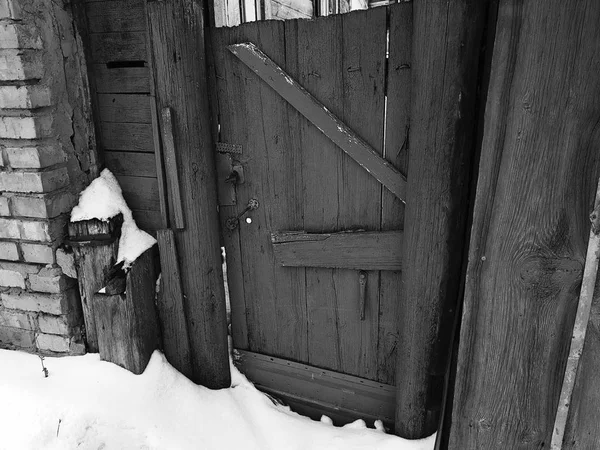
x,y
222,147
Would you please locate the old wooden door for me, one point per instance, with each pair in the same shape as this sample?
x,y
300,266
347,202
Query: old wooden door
x,y
298,328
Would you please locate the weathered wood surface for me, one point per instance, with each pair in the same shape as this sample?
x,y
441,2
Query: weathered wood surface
x,y
130,163
292,312
176,342
171,170
126,46
321,117
127,324
127,137
226,13
121,80
93,261
140,192
147,220
318,391
537,179
291,9
445,47
177,35
353,250
130,108
116,16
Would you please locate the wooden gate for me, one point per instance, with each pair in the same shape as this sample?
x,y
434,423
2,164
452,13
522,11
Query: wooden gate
x,y
314,265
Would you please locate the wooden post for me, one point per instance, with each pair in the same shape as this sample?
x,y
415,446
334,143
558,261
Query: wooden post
x,y
539,165
176,29
127,322
95,246
446,45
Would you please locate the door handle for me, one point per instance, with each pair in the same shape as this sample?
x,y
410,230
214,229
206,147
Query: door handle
x,y
232,222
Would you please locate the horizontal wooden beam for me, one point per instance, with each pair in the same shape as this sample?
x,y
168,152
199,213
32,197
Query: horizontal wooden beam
x,y
314,391
321,117
362,250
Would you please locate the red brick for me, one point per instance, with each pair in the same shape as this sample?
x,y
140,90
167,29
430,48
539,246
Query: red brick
x,y
9,251
37,253
16,337
47,181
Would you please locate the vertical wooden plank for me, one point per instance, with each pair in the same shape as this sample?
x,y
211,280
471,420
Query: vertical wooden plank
x,y
177,39
445,48
340,60
274,296
396,152
537,178
170,306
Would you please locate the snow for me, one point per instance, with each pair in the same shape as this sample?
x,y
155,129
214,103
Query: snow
x,y
103,199
86,403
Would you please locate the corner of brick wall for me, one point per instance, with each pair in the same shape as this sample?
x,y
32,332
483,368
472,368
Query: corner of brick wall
x,y
47,157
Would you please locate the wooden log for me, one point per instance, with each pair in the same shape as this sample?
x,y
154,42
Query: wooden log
x,y
170,306
359,250
176,28
538,171
95,247
127,324
321,117
446,43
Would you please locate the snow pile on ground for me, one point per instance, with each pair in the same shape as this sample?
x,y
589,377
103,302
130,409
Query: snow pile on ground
x,y
103,199
89,404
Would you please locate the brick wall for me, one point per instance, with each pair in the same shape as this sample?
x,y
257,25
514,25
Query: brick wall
x,y
46,157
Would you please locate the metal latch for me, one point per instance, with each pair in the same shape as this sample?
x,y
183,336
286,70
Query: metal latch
x,y
232,222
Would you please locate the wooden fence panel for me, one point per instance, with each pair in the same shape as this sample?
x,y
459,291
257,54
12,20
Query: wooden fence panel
x,y
539,167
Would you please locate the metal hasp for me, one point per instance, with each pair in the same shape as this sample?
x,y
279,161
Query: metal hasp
x,y
362,282
232,222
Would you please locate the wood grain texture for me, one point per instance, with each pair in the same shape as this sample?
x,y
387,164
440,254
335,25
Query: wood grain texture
x,y
537,180
93,261
176,340
140,192
121,80
116,16
171,169
286,9
446,43
127,324
128,108
396,152
343,66
346,397
126,137
177,35
321,117
357,250
126,46
130,163
147,220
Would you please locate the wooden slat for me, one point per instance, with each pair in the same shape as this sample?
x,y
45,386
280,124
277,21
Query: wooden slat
x,y
111,16
538,171
226,13
127,46
127,324
147,220
124,108
171,306
177,27
140,192
171,169
396,151
357,250
321,117
327,392
130,163
132,137
120,80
